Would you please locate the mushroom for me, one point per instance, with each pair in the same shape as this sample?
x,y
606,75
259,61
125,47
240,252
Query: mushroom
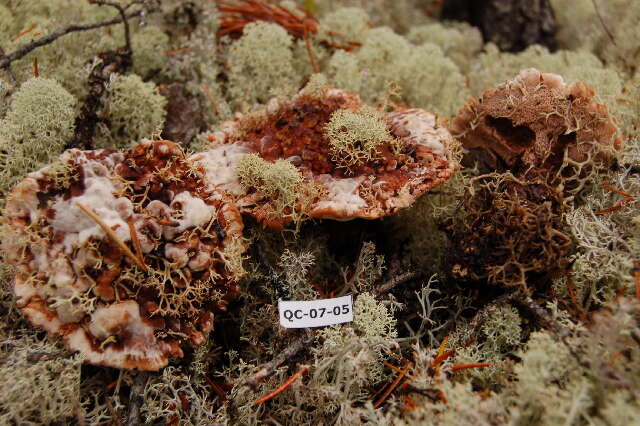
x,y
532,121
127,256
348,160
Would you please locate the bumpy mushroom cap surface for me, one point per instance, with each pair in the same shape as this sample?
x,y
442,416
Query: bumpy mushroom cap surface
x,y
532,120
122,310
418,156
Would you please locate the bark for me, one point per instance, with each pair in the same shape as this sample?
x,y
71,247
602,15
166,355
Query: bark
x,y
513,25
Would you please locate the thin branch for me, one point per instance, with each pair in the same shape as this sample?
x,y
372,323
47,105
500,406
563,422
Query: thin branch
x,y
395,281
604,25
6,60
268,368
7,68
561,332
123,17
136,398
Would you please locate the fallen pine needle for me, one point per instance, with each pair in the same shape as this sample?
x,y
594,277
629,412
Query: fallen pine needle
x,y
410,402
392,387
441,358
112,235
617,191
397,370
216,388
616,206
474,365
136,241
282,387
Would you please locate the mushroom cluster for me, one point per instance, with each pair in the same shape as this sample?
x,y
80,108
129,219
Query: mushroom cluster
x,y
127,256
536,121
541,140
349,172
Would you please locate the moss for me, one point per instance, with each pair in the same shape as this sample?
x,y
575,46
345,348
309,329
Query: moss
x,y
354,137
163,397
41,118
148,44
379,57
606,243
296,268
369,338
459,41
7,23
549,374
261,64
418,230
66,59
590,378
621,409
134,110
279,181
343,25
611,31
39,383
432,81
38,124
344,71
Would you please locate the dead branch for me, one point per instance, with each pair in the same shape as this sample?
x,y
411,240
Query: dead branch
x,y
604,25
7,68
135,398
6,60
123,16
266,369
395,281
35,357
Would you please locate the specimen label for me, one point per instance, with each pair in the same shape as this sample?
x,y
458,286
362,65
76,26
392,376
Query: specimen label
x,y
315,313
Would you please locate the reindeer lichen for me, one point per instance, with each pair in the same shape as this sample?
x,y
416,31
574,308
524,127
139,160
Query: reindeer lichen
x,y
134,110
260,64
354,137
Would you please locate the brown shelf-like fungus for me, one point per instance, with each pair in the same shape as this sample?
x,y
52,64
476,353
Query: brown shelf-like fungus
x,y
535,120
325,154
126,256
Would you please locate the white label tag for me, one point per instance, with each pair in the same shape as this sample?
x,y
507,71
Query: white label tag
x,y
315,313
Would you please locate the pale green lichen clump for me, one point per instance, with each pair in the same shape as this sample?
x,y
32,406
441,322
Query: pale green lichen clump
x,y
134,110
147,45
280,181
39,384
37,126
354,137
260,63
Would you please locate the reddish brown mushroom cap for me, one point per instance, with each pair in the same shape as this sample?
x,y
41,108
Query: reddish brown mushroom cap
x,y
418,156
127,256
532,120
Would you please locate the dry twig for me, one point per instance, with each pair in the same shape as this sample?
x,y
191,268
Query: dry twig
x,y
135,398
6,60
604,25
268,368
395,281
